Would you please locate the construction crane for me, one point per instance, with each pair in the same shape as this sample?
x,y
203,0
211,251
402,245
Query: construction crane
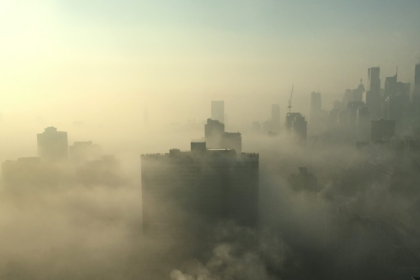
x,y
290,100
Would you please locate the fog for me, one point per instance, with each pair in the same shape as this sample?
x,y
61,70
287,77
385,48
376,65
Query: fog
x,y
327,189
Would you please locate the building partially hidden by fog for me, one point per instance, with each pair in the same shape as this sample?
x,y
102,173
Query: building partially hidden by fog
x,y
81,152
416,91
382,130
297,124
363,124
199,187
373,95
52,145
217,138
316,111
218,111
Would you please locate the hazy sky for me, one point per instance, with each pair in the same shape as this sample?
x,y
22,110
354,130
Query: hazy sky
x,y
96,59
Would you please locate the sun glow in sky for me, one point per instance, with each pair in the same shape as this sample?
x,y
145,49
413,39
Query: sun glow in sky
x,y
78,59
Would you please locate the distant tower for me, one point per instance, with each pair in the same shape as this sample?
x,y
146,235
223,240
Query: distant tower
x,y
275,117
416,92
316,110
373,96
296,123
374,80
52,145
363,124
417,75
218,111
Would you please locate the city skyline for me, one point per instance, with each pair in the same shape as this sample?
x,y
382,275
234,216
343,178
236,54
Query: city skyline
x,y
209,140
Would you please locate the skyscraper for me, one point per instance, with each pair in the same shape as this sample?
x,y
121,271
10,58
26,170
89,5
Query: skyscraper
x,y
416,92
373,96
218,111
297,124
52,145
374,80
363,124
316,111
217,138
391,86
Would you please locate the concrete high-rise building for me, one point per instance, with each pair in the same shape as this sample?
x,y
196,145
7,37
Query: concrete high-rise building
x,y
382,130
297,124
232,140
363,124
275,117
213,133
190,190
391,86
218,111
373,95
416,91
52,145
217,138
374,80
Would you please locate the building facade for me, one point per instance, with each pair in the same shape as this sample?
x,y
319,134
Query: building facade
x,y
52,145
199,188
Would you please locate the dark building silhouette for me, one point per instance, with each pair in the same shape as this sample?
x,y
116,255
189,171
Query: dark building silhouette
x,y
316,111
374,80
198,147
363,124
382,130
218,111
84,151
373,95
52,145
416,91
297,124
396,101
217,138
189,190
